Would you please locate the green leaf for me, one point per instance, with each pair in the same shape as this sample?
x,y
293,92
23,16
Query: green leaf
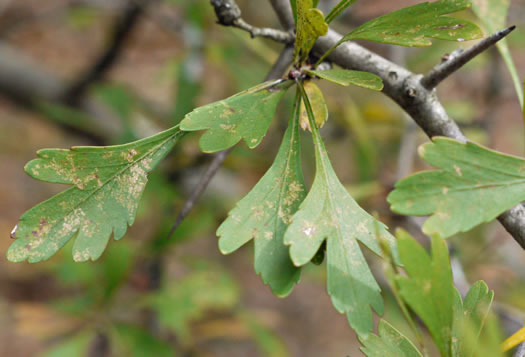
x,y
246,115
108,183
390,342
493,15
412,26
338,9
346,77
474,185
293,4
469,319
185,301
77,345
136,342
265,213
330,213
318,106
310,25
428,290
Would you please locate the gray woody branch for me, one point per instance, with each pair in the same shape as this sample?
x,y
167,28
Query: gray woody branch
x,y
413,92
229,14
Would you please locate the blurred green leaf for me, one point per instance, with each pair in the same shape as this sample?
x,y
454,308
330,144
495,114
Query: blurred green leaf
x,y
77,346
474,185
136,342
310,25
469,318
265,213
412,26
389,342
185,301
338,9
246,115
330,213
268,341
428,290
493,15
108,183
346,77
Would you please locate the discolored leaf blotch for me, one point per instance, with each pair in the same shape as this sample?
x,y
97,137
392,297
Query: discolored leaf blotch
x,y
107,185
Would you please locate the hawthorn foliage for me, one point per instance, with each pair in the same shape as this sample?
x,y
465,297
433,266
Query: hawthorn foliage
x,y
292,225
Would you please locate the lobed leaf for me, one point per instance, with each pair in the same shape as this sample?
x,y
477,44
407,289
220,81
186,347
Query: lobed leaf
x,y
412,26
346,77
474,185
469,318
330,214
108,183
246,115
390,342
310,25
265,213
428,290
493,15
338,9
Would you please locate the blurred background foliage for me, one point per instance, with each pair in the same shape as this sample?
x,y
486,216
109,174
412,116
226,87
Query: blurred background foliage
x,y
150,296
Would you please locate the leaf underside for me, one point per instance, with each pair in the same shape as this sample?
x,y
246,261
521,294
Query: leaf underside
x,y
107,185
414,25
346,77
474,185
264,214
330,213
389,342
246,115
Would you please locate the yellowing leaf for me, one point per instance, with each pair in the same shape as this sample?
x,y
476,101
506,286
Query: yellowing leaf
x,y
310,25
318,106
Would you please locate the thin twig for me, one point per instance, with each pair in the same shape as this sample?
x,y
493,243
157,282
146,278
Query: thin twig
x,y
200,188
229,14
109,56
459,58
284,12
